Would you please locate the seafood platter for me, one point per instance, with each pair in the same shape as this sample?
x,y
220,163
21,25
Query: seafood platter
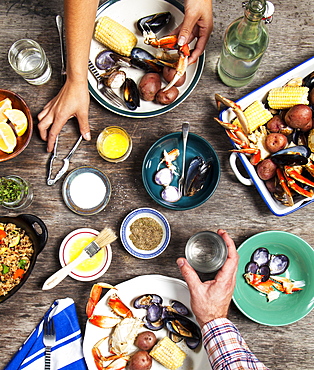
x,y
274,278
277,155
162,167
143,299
139,68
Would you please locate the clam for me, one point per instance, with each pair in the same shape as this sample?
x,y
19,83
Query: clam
x,y
114,79
171,194
164,177
278,264
261,256
108,60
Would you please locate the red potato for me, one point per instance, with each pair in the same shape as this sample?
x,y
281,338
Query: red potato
x,y
149,85
275,124
167,97
168,74
145,340
141,360
300,117
266,169
275,142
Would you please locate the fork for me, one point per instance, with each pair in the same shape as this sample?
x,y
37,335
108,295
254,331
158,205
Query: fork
x,y
105,90
185,132
49,340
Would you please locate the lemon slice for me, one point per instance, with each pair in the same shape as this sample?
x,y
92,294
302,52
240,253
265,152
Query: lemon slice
x,y
18,120
7,138
4,104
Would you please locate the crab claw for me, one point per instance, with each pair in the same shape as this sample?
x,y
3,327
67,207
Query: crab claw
x,y
94,297
184,53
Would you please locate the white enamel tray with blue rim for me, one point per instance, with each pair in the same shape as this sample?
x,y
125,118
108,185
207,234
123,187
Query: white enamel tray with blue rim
x,y
127,12
169,289
125,233
277,208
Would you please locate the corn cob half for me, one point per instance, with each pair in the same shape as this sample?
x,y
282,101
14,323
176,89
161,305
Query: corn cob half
x,y
287,96
168,354
256,114
115,36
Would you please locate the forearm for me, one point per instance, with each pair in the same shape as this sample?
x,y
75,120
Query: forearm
x,y
226,349
79,27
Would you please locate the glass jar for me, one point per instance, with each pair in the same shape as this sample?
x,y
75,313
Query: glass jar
x,y
15,192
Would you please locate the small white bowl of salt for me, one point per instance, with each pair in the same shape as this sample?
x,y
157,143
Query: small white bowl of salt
x,y
86,190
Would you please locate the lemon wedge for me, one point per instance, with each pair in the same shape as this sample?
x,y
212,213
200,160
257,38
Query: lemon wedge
x,y
4,104
18,120
7,138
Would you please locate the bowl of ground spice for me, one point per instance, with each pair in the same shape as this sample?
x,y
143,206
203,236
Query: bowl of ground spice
x,y
145,233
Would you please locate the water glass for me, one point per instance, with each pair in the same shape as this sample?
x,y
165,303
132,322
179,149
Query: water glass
x,y
114,144
15,192
206,251
29,60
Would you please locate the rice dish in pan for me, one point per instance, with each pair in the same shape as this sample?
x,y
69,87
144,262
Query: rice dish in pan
x,y
16,251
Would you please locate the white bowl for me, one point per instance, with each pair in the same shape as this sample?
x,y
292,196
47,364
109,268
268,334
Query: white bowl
x,y
78,273
125,233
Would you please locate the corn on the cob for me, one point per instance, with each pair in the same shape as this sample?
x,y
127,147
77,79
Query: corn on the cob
x,y
256,114
287,96
115,36
168,354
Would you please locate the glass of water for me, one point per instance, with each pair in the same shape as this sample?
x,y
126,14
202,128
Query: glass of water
x,y
206,251
29,60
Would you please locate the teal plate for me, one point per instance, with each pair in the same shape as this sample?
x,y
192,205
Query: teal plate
x,y
288,308
196,146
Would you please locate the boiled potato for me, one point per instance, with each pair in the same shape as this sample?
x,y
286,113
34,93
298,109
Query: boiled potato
x,y
167,97
300,117
145,340
149,85
168,74
141,360
275,142
266,169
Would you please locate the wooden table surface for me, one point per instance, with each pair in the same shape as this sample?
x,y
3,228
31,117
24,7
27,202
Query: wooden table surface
x,y
238,209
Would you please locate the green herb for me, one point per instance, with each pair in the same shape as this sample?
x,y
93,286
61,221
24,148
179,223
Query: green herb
x,y
5,269
10,191
22,264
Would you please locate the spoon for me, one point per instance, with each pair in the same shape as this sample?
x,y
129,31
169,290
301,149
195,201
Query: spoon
x,y
59,22
185,133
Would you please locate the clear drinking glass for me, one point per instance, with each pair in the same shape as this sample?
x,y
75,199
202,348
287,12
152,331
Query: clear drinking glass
x,y
114,144
29,60
15,192
206,251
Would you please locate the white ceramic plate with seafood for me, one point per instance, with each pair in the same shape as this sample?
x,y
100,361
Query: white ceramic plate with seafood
x,y
125,233
127,12
277,208
169,289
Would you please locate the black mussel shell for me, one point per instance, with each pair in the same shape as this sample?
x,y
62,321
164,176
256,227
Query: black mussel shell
x,y
175,338
107,60
299,138
180,308
183,326
308,81
251,267
278,264
131,94
153,325
192,343
142,59
265,271
196,176
294,156
145,300
154,22
154,312
261,256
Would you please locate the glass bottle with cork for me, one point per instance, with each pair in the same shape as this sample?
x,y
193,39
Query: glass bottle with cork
x,y
245,41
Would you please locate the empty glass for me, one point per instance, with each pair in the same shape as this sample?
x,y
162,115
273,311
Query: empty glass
x,y
29,60
206,251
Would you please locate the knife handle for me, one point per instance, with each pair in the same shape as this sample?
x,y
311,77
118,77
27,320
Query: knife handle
x,y
58,276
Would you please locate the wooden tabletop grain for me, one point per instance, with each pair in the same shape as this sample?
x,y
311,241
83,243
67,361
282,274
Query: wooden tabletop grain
x,y
233,206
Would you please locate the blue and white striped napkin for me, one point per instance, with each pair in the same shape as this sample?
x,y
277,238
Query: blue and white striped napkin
x,y
67,353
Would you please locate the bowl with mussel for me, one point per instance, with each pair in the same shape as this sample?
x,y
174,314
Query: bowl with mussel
x,y
276,147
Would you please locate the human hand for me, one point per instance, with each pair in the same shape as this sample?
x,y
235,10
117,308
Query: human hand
x,y
71,101
211,299
197,23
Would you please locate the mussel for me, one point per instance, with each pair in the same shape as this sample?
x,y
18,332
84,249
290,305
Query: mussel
x,y
153,22
180,308
196,176
261,256
153,325
145,300
308,80
293,156
131,94
278,264
142,59
107,60
154,312
182,326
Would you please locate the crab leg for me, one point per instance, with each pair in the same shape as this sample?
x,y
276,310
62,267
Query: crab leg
x,y
236,109
119,307
170,43
288,286
118,361
94,297
294,186
295,173
285,188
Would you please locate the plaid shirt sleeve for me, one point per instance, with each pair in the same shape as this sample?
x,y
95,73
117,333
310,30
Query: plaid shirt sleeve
x,y
226,349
